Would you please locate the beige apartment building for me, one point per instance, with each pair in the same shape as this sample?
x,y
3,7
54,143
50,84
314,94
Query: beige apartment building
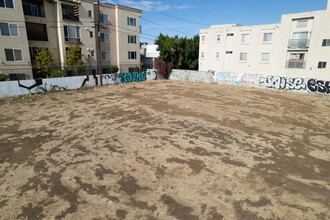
x,y
298,46
119,37
54,24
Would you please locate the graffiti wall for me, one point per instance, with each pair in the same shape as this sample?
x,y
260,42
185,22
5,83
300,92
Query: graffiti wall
x,y
278,82
255,80
115,78
13,88
236,78
191,76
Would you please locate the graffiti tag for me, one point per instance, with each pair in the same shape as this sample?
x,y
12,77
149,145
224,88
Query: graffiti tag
x,y
133,77
278,82
318,86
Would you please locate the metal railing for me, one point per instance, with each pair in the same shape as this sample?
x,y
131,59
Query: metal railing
x,y
296,64
70,39
298,43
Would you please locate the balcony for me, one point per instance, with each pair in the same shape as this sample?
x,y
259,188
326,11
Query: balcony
x,y
33,8
295,64
36,32
298,43
71,39
70,12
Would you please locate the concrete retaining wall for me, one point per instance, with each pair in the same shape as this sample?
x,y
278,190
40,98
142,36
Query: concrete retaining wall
x,y
255,80
14,88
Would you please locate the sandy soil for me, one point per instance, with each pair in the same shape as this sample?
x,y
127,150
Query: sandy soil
x,y
165,150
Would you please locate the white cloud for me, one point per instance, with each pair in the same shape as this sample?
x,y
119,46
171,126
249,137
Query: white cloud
x,y
148,5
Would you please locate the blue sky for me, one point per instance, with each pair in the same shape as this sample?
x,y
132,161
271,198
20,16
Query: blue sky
x,y
187,17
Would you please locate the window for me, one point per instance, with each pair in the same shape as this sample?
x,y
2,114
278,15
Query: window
x,y
131,21
203,38
17,76
218,37
131,39
105,55
202,54
7,29
322,65
300,35
104,38
245,38
6,4
71,33
326,42
31,10
131,69
217,55
132,55
265,56
14,54
92,53
302,23
268,37
243,56
229,52
104,18
297,56
89,13
230,34
91,34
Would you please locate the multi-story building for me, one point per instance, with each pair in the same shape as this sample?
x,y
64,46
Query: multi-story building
x,y
119,37
298,46
54,24
148,55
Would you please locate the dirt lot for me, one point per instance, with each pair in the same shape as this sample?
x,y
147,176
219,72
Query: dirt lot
x,y
165,150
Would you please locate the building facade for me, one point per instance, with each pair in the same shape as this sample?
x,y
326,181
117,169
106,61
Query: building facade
x,y
119,37
148,55
26,25
298,46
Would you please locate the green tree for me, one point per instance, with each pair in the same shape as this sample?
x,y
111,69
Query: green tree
x,y
43,61
179,52
74,60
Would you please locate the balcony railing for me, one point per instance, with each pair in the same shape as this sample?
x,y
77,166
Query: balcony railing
x,y
298,43
295,64
70,39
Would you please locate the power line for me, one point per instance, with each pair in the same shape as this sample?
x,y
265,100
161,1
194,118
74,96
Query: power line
x,y
163,26
182,19
166,27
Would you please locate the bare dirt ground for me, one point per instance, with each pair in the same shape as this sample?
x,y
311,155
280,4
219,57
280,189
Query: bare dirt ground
x,y
165,150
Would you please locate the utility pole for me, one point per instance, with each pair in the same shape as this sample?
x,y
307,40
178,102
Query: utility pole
x,y
98,49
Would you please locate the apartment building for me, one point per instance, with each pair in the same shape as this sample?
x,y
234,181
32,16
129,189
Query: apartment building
x,y
14,48
119,37
298,46
148,55
54,24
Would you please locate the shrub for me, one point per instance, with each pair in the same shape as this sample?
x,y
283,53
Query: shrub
x,y
136,69
56,72
3,77
114,69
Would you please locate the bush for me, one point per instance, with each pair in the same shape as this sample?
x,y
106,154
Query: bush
x,y
114,69
56,72
136,69
3,77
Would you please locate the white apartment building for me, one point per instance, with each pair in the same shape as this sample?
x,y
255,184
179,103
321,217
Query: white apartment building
x,y
148,55
298,46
